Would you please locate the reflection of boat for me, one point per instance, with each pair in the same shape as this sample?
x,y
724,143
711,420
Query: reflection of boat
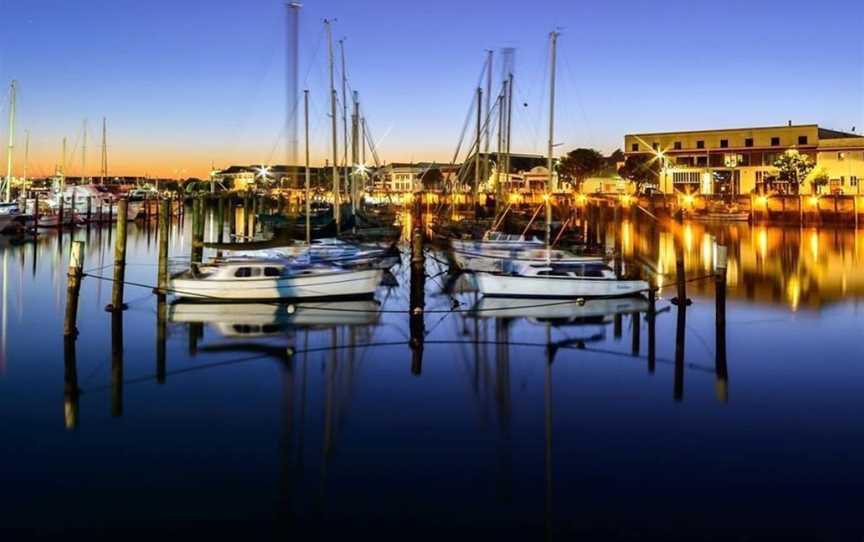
x,y
263,319
269,279
558,280
589,311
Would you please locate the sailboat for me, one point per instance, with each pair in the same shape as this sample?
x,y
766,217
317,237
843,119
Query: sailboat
x,y
555,277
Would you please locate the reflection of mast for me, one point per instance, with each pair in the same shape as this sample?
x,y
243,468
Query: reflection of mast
x,y
681,302
5,314
117,363
720,370
547,403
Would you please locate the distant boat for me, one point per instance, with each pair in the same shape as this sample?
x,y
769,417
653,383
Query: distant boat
x,y
558,280
270,280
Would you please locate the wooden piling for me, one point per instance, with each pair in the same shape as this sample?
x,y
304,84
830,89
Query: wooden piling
x,y
119,257
162,273
60,213
73,288
193,255
89,210
417,301
35,212
681,324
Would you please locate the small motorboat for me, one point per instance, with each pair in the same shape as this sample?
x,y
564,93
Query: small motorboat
x,y
558,280
9,214
267,279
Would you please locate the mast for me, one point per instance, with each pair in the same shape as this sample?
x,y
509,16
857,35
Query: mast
x,y
84,152
26,161
7,196
308,204
293,78
477,151
553,38
355,153
335,165
363,140
63,168
509,119
488,97
104,169
345,121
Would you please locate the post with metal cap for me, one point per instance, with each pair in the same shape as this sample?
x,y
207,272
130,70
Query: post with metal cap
x,y
73,288
417,301
119,257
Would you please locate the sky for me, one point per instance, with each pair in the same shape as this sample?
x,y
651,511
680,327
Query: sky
x,y
186,84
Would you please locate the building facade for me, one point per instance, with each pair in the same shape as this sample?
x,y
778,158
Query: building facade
x,y
741,161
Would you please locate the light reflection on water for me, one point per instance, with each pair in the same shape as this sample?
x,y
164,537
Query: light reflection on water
x,y
525,417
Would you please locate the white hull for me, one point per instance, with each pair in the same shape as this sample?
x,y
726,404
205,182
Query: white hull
x,y
556,287
320,285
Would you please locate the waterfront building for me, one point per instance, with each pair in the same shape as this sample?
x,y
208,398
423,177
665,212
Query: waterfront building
x,y
277,176
741,160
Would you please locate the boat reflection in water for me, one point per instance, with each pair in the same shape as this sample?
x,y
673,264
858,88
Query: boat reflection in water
x,y
249,320
590,311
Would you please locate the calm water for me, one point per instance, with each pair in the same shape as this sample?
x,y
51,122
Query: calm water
x,y
354,431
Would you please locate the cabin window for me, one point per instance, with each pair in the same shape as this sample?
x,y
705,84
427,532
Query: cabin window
x,y
272,271
246,272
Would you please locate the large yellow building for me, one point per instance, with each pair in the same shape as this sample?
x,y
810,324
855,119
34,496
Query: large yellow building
x,y
741,160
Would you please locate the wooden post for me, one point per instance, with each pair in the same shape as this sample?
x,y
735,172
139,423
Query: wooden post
x,y
73,288
72,208
162,277
89,209
119,258
110,212
35,212
60,212
720,370
417,301
220,219
196,203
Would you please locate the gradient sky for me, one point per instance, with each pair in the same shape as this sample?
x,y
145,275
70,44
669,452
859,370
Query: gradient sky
x,y
184,83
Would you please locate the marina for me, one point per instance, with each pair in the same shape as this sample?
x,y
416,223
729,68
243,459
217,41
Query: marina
x,y
384,270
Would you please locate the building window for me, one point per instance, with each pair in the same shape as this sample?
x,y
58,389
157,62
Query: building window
x,y
677,145
748,142
634,147
775,141
841,155
700,144
802,140
724,143
655,146
853,181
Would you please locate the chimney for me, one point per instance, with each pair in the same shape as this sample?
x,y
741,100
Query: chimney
x,y
790,123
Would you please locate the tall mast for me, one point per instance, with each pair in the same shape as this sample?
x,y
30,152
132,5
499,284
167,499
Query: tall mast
x,y
308,203
293,79
104,168
7,196
26,160
363,140
477,150
335,164
553,38
488,97
63,168
355,152
84,152
509,104
345,120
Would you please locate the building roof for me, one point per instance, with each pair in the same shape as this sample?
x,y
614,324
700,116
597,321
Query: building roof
x,y
825,133
726,130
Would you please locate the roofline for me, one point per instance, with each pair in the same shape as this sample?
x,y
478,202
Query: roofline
x,y
723,130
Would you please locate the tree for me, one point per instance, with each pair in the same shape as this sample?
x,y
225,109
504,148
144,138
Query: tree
x,y
818,178
432,178
793,168
640,169
579,164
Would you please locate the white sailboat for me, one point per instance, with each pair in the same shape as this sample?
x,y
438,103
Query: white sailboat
x,y
508,307
272,280
9,210
554,276
492,256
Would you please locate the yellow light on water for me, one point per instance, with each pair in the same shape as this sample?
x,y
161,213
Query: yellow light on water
x,y
625,200
762,201
514,198
688,200
814,201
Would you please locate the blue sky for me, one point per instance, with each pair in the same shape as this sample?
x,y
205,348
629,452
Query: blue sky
x,y
187,82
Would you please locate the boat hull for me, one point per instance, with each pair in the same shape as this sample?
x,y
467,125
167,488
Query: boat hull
x,y
556,287
346,284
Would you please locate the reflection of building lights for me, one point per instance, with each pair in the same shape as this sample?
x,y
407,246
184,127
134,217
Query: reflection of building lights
x,y
581,199
688,200
762,201
793,292
814,245
546,197
688,237
814,201
763,243
514,198
625,200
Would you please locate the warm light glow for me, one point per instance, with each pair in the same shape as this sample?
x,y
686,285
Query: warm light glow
x,y
625,200
514,197
545,197
263,172
762,201
814,201
688,200
581,199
